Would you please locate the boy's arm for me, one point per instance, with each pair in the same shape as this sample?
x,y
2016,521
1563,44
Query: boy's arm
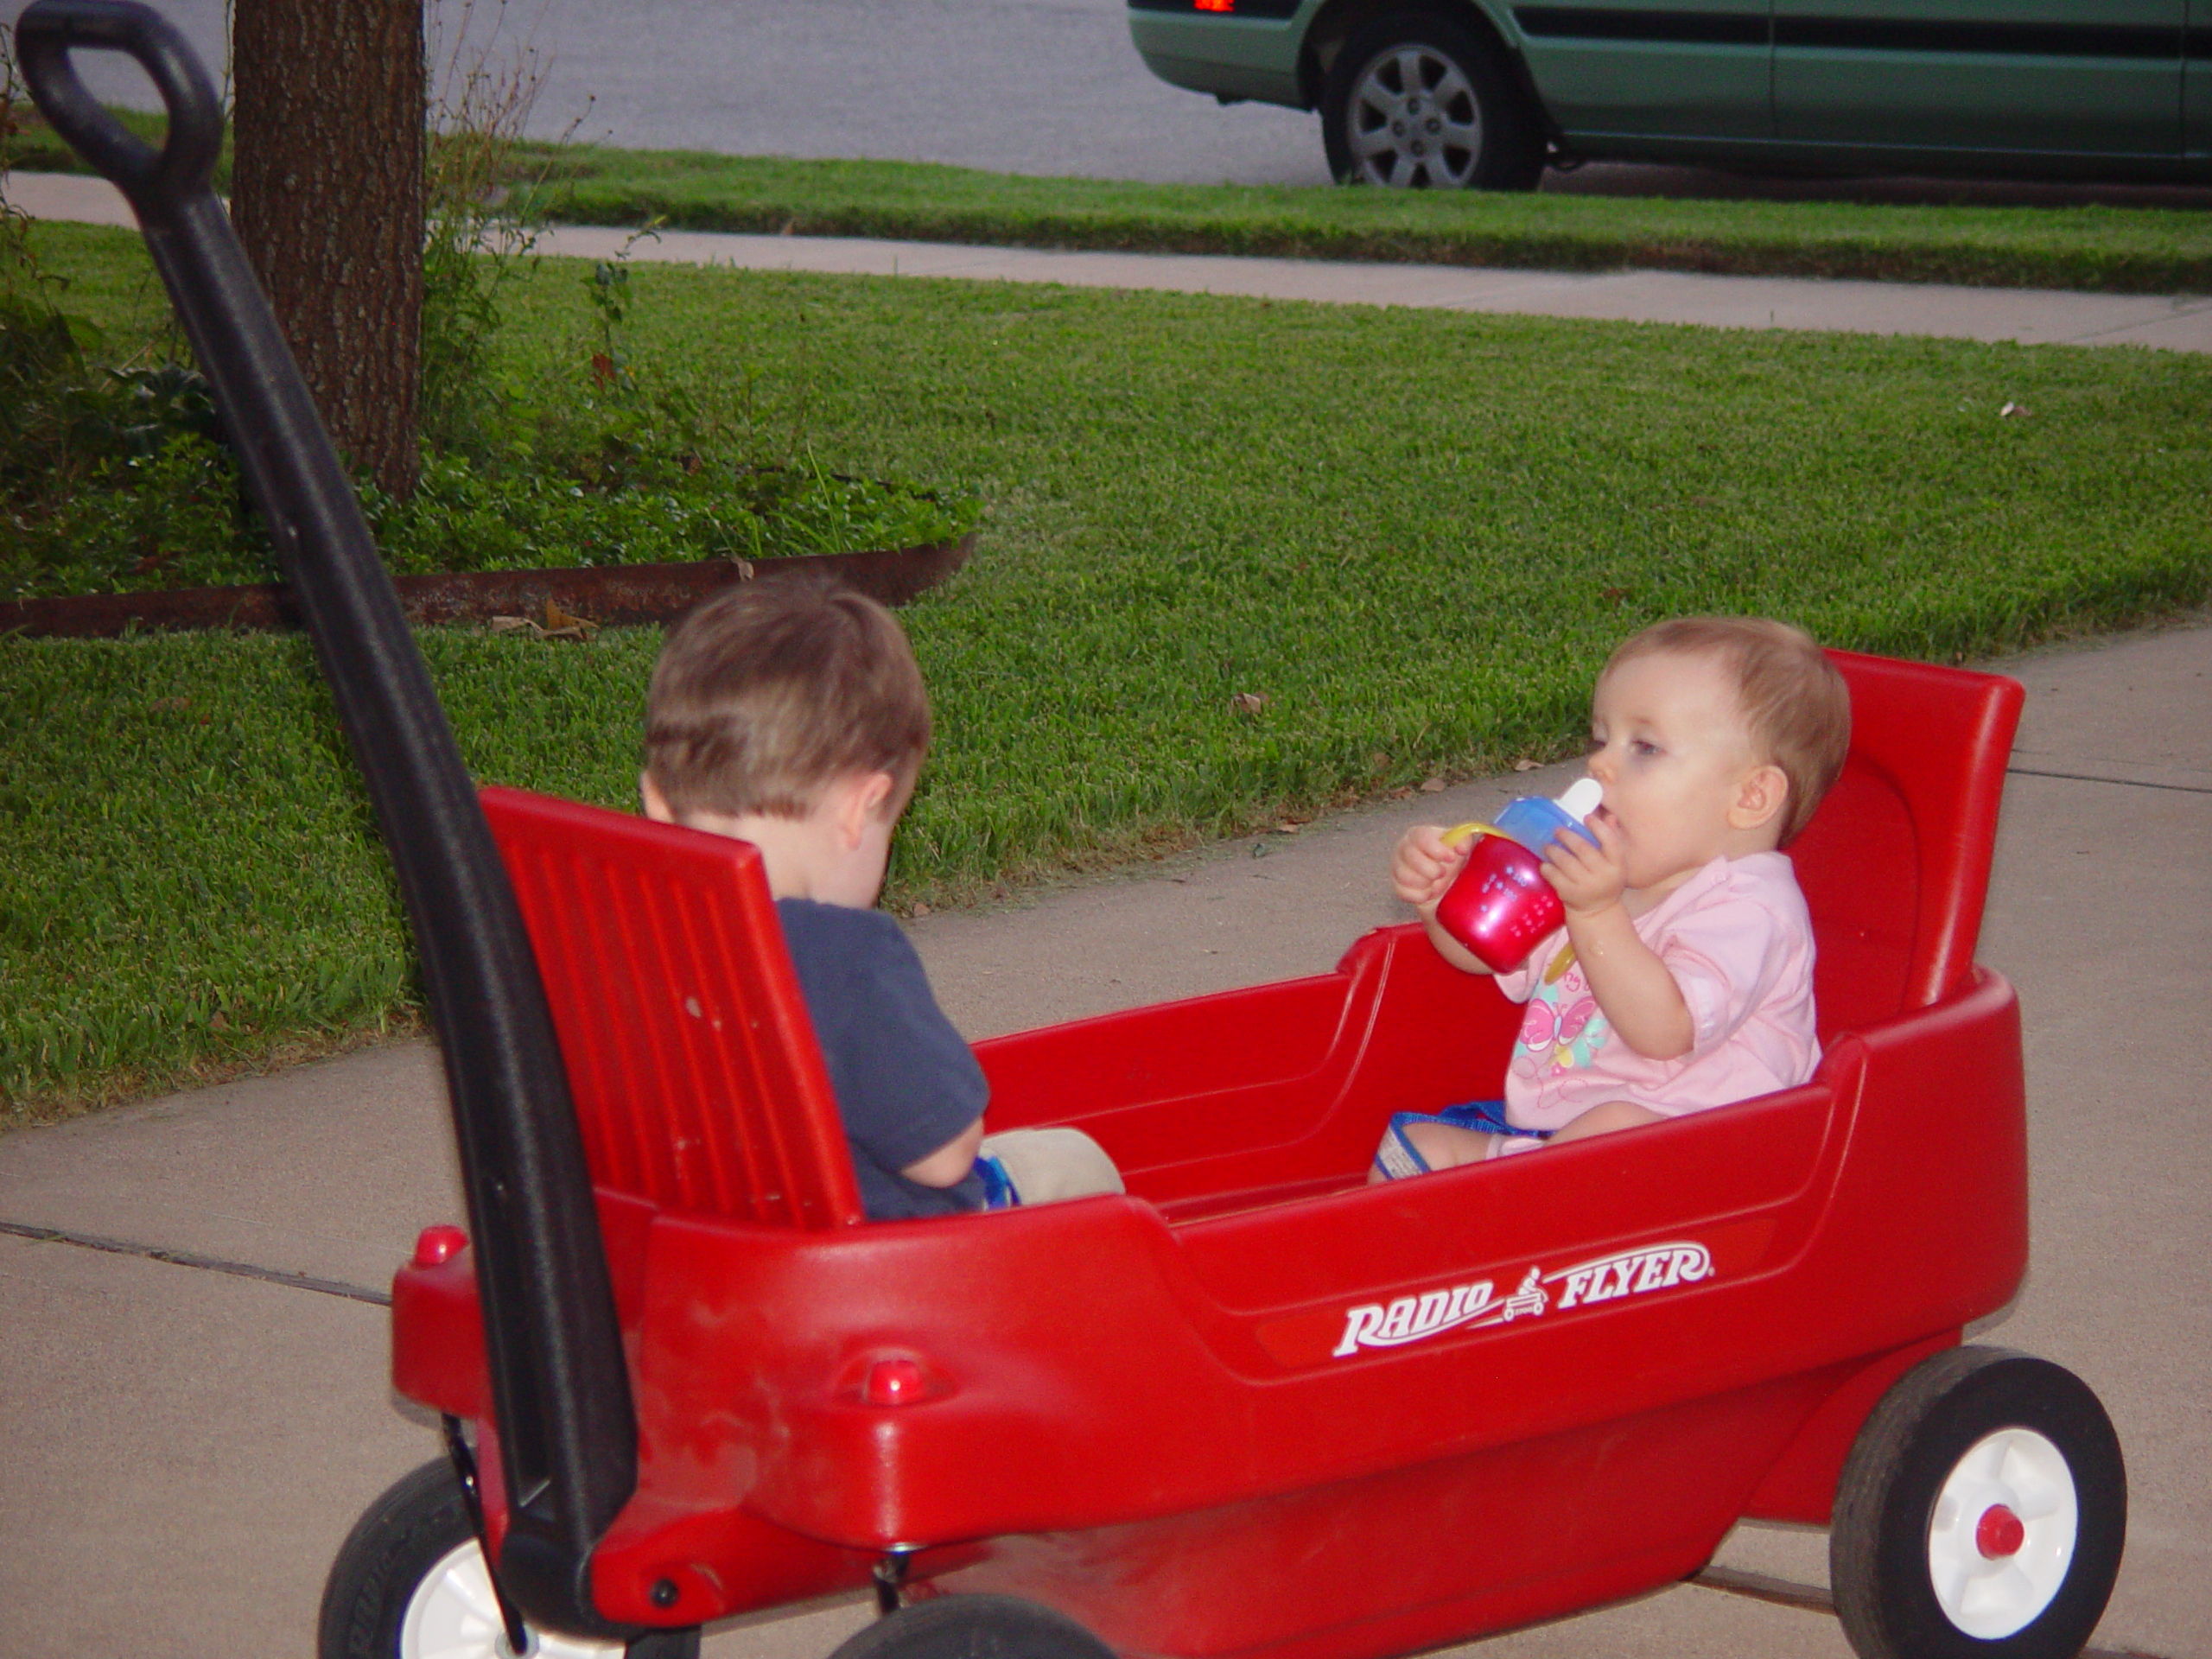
x,y
949,1163
1634,988
910,1093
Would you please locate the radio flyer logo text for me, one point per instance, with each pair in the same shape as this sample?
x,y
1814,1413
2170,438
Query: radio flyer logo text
x,y
1472,1305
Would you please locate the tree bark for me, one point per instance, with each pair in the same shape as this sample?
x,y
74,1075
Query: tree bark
x,y
327,194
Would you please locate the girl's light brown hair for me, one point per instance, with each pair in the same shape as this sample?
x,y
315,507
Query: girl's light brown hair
x,y
770,690
1795,703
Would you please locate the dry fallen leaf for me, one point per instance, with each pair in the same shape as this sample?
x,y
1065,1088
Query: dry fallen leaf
x,y
558,624
1248,703
1524,763
1431,785
921,909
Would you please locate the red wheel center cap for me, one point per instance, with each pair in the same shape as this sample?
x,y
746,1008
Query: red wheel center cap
x,y
2000,1533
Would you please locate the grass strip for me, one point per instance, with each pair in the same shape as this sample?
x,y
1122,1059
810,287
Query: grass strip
x,y
1411,537
2115,250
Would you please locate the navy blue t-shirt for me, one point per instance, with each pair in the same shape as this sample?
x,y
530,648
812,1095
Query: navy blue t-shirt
x,y
906,1081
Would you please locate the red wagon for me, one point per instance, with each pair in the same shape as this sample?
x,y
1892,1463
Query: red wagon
x,y
1236,1411
1251,1407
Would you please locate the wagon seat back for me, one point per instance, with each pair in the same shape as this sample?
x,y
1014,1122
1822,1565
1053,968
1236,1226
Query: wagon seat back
x,y
693,1065
1895,865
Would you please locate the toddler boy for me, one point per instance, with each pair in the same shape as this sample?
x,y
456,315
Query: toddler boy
x,y
790,713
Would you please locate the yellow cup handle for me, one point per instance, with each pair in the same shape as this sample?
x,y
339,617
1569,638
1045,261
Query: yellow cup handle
x,y
1468,831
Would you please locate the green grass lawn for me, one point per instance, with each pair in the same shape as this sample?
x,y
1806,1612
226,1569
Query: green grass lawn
x,y
2135,250
1413,534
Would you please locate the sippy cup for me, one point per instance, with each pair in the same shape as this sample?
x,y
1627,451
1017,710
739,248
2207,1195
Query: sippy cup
x,y
1500,905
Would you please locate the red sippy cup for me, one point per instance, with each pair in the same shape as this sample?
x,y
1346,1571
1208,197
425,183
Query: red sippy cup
x,y
1499,905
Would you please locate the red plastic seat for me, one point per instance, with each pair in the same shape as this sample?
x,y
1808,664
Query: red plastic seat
x,y
690,1057
1895,864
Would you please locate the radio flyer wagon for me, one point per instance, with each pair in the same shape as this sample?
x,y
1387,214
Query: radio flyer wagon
x,y
1253,1406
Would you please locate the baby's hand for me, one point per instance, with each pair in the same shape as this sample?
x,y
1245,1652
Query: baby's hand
x,y
1587,879
1422,867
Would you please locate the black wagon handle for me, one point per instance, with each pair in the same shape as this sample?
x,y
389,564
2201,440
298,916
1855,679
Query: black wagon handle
x,y
152,179
568,1429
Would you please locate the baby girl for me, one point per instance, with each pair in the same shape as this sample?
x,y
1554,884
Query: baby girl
x,y
1684,978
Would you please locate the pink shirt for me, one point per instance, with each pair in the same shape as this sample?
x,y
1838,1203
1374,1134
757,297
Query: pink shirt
x,y
1738,941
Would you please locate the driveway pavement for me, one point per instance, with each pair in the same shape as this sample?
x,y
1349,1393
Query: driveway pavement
x,y
193,1403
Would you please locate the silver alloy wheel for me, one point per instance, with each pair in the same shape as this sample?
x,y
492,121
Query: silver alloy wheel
x,y
1413,120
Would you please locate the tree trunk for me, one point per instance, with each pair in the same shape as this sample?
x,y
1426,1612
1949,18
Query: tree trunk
x,y
326,193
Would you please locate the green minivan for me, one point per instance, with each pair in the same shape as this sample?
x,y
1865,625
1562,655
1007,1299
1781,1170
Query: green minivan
x,y
1488,92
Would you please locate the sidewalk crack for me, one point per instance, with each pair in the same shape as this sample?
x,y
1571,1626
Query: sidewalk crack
x,y
191,1259
2097,778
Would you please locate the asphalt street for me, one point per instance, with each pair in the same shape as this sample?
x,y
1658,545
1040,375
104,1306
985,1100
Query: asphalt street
x,y
1047,87
1051,87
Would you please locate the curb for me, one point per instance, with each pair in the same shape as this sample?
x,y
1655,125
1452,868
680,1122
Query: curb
x,y
606,595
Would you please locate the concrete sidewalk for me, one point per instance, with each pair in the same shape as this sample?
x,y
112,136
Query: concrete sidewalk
x,y
2029,316
193,1417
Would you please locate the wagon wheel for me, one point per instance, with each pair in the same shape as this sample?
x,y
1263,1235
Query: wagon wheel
x,y
410,1583
1982,1512
974,1627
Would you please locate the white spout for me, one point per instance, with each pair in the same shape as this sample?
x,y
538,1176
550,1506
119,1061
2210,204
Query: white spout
x,y
1582,798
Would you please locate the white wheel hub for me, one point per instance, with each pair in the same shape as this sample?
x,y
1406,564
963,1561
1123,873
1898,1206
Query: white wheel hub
x,y
2002,1535
454,1615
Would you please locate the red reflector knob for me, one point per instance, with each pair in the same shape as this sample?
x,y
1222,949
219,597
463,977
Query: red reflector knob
x,y
2000,1533
894,1383
435,1246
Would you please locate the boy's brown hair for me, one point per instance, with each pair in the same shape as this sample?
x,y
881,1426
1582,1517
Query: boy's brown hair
x,y
1794,701
770,690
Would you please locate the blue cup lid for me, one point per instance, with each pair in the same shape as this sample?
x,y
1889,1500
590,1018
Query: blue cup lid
x,y
1534,823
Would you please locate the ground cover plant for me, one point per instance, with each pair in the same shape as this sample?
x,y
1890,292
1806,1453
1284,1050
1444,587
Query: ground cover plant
x,y
2129,250
1242,561
115,476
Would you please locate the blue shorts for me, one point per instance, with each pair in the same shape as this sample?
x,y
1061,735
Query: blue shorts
x,y
1396,1158
998,1185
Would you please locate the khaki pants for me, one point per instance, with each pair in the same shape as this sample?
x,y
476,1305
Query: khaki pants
x,y
1048,1165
